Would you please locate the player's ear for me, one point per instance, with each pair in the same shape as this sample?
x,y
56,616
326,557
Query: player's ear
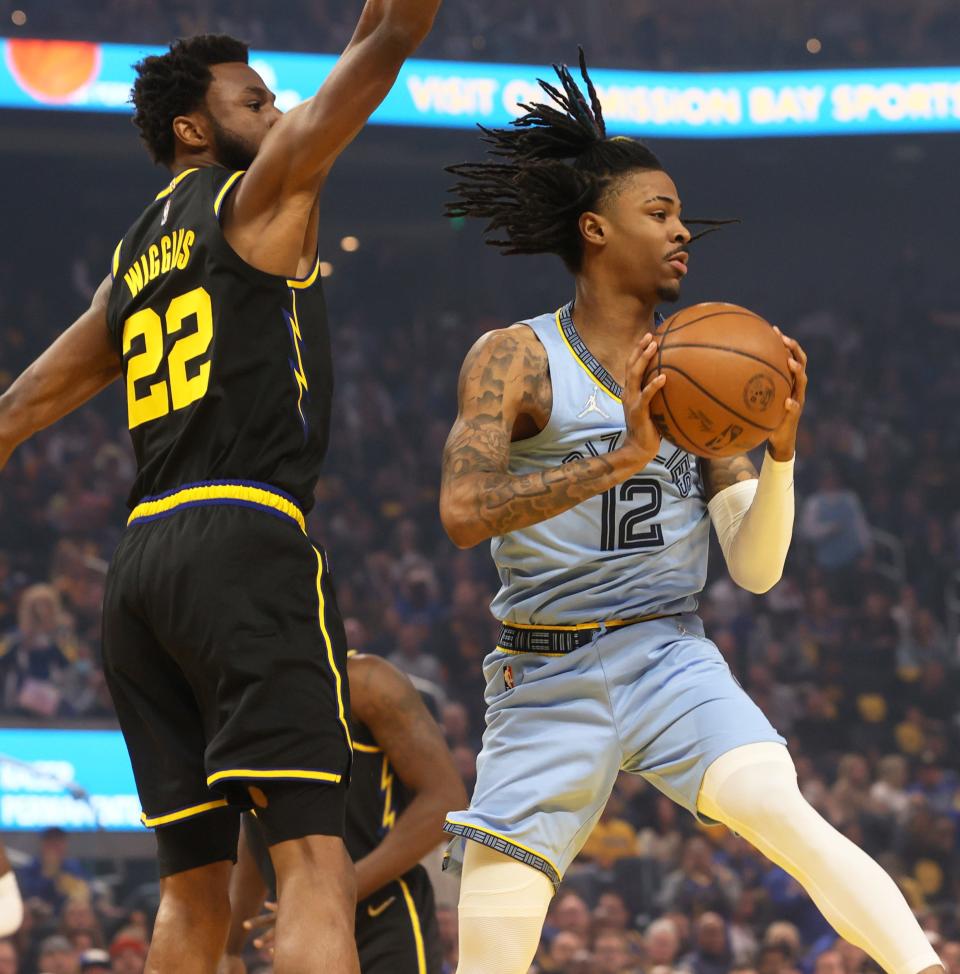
x,y
592,228
191,131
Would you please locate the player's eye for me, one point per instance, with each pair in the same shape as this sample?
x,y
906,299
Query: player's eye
x,y
660,214
255,105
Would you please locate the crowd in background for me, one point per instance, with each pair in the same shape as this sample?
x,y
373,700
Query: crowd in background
x,y
851,654
854,655
617,33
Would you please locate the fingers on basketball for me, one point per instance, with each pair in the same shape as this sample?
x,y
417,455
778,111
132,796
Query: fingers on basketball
x,y
730,379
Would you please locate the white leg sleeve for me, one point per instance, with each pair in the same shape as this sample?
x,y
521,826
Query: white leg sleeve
x,y
753,790
503,904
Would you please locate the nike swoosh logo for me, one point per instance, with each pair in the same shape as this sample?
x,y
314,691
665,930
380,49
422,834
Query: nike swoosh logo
x,y
375,911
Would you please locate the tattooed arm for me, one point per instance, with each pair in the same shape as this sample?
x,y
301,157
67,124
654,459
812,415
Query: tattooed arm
x,y
387,702
719,474
504,392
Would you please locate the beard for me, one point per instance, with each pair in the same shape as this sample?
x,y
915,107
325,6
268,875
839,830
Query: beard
x,y
232,150
669,292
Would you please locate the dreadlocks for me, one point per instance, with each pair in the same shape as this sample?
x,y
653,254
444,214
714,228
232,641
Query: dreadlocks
x,y
175,84
533,201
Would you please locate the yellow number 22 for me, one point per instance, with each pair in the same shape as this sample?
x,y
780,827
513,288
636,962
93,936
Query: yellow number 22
x,y
180,388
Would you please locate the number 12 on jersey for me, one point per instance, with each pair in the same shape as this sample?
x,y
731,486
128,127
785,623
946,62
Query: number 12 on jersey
x,y
179,388
619,529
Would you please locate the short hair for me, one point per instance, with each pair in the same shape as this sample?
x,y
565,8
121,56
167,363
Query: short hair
x,y
176,83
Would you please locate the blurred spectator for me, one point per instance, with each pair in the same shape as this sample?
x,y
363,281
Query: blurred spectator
x,y
57,956
9,957
832,519
612,837
700,884
711,952
52,876
37,655
95,961
662,943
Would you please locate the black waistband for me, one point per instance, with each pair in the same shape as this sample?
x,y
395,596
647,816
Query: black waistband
x,y
563,639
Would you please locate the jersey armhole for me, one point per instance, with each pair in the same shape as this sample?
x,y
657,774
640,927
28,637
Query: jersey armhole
x,y
550,375
293,282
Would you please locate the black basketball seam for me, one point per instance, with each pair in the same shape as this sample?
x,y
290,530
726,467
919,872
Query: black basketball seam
x,y
680,430
713,314
719,402
735,351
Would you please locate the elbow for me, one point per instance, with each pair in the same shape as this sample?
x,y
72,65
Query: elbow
x,y
757,583
456,521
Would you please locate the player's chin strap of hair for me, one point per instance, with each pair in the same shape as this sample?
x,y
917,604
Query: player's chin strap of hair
x,y
754,522
11,905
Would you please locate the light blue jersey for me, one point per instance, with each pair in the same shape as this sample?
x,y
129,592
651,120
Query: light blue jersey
x,y
637,549
654,697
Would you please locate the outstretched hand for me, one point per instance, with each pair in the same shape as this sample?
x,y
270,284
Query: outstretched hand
x,y
782,442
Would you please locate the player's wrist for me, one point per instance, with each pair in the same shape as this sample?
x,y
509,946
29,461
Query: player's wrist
x,y
631,458
782,453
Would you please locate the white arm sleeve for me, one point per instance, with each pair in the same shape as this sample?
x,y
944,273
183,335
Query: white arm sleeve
x,y
11,905
754,522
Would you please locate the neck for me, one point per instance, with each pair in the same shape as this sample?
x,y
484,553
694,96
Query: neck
x,y
610,317
196,160
610,322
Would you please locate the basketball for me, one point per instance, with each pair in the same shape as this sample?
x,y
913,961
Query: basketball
x,y
727,379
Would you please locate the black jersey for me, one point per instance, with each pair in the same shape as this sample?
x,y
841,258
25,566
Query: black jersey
x,y
376,797
227,368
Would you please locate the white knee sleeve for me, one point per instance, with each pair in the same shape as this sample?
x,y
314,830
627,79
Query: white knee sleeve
x,y
753,790
503,904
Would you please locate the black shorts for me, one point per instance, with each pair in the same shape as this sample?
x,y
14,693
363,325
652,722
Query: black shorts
x,y
397,930
225,656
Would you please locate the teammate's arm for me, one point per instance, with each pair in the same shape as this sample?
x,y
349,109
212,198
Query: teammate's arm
x,y
387,702
753,514
301,147
499,383
80,363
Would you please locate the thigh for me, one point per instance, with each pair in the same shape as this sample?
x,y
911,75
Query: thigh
x,y
155,705
549,759
247,607
683,710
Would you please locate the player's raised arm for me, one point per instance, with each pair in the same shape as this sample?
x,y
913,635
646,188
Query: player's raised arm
x,y
80,363
503,381
302,145
386,701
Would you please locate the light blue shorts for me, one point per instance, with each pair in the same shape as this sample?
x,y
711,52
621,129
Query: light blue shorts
x,y
655,699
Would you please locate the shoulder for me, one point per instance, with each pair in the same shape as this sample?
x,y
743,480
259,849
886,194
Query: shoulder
x,y
508,358
374,683
516,343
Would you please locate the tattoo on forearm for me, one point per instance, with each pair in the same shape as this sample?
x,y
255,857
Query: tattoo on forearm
x,y
720,474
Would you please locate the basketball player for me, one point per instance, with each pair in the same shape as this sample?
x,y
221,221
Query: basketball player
x,y
223,650
404,782
599,531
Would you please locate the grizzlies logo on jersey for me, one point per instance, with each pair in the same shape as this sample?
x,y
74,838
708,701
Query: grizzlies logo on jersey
x,y
638,548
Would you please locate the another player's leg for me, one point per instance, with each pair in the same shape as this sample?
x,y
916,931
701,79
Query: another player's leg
x,y
315,878
753,790
191,926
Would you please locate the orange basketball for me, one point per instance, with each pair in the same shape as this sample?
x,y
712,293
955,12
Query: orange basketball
x,y
727,379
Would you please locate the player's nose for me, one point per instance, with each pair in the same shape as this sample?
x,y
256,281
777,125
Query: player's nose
x,y
682,234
